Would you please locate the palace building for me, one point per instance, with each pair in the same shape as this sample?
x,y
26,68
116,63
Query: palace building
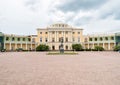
x,y
52,34
13,42
108,40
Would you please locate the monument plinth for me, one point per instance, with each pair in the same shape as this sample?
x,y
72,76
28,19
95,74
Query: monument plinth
x,y
61,45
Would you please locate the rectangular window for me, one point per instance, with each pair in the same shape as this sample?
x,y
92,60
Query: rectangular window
x,y
7,38
112,38
46,32
40,32
33,40
13,39
59,32
90,39
41,39
53,39
95,39
78,32
59,39
73,39
66,39
59,25
18,39
29,39
46,40
101,39
106,38
66,32
23,39
86,40
78,39
53,32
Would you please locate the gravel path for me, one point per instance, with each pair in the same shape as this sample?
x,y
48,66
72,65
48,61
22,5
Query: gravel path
x,y
37,68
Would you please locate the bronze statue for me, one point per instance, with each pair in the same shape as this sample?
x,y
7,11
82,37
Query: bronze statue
x,y
61,46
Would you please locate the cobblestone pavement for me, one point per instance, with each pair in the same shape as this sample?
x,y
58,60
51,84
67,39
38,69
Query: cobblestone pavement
x,y
37,68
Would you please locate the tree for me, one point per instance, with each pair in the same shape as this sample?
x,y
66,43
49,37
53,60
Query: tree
x,y
77,47
42,47
99,48
117,48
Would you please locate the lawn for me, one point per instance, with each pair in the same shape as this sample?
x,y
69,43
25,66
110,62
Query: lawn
x,y
65,53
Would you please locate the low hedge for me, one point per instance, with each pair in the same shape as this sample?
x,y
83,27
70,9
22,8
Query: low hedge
x,y
42,48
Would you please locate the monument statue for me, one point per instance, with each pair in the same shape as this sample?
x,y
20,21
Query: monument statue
x,y
61,46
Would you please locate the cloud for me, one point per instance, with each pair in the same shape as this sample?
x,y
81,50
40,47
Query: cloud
x,y
76,5
82,21
110,9
93,15
32,4
77,12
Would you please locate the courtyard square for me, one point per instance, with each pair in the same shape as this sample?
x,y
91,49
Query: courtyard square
x,y
38,68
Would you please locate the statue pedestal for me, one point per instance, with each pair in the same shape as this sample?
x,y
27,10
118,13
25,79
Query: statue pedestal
x,y
61,46
61,50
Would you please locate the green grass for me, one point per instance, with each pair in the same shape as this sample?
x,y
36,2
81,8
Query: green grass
x,y
65,53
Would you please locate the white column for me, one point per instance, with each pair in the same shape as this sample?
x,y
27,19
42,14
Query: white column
x,y
70,37
55,37
104,45
98,44
93,45
10,46
21,45
15,45
26,46
114,44
109,46
88,46
4,45
64,35
31,45
83,45
35,46
49,36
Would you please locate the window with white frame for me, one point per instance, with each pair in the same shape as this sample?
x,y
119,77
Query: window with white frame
x,y
78,39
73,39
41,39
46,40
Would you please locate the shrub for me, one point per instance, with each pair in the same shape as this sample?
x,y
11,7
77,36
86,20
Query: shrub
x,y
42,48
19,49
3,50
117,48
77,47
87,49
99,48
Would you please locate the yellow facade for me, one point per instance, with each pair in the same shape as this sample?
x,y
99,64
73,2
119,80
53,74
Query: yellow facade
x,y
107,41
14,42
52,34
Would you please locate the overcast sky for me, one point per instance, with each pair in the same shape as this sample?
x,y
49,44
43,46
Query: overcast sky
x,y
25,16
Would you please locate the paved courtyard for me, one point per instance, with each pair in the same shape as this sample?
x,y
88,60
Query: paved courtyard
x,y
37,68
